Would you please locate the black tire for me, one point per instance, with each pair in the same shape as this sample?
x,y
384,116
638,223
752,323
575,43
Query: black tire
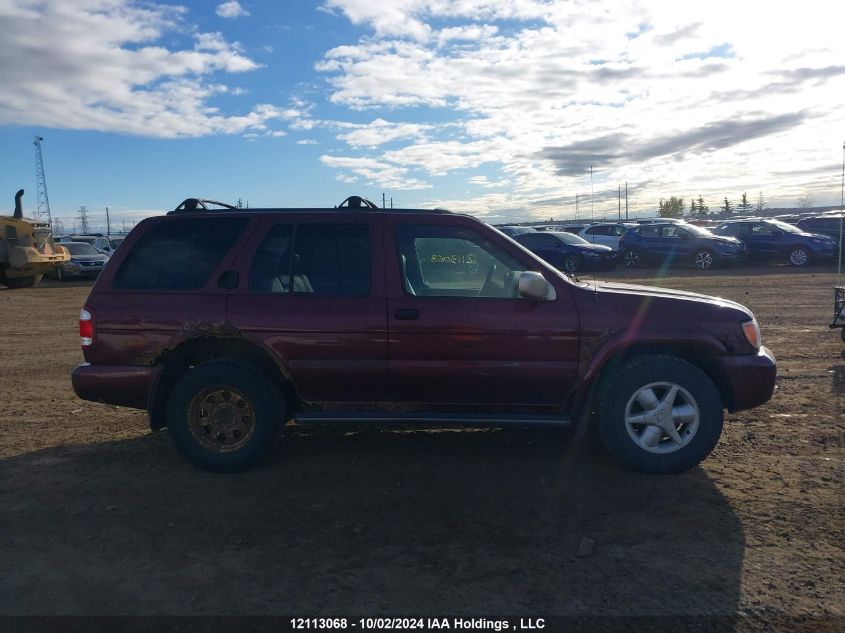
x,y
59,274
252,396
842,334
572,263
798,256
703,259
22,282
631,258
697,394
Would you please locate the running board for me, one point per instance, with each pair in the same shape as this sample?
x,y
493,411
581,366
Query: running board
x,y
459,419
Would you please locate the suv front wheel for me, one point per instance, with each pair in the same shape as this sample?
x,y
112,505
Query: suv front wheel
x,y
225,415
660,414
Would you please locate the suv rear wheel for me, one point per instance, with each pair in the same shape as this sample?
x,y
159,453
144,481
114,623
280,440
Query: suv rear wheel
x,y
225,415
798,256
660,414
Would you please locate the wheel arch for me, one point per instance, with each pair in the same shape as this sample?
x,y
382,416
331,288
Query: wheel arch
x,y
205,348
700,353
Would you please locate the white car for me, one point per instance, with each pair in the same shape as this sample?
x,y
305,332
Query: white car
x,y
606,233
107,245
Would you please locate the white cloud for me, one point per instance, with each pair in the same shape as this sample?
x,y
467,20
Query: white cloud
x,y
374,172
100,65
379,132
231,9
678,98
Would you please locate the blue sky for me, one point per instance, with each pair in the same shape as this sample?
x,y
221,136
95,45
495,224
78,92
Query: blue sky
x,y
493,107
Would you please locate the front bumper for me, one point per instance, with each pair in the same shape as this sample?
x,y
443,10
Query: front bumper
x,y
122,385
77,270
751,378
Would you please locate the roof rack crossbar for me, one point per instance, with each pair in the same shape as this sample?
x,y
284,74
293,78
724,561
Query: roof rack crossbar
x,y
357,202
193,204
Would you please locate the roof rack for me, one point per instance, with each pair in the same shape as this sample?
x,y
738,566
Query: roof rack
x,y
352,203
194,204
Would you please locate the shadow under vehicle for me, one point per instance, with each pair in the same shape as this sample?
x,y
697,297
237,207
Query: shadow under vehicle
x,y
431,521
27,249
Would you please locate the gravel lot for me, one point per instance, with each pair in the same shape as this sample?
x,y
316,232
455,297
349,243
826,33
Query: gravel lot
x,y
98,515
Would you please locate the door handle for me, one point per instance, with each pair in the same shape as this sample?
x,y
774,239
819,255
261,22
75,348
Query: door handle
x,y
406,314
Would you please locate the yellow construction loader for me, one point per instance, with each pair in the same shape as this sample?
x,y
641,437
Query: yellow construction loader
x,y
27,249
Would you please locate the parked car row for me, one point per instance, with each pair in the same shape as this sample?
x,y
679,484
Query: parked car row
x,y
665,241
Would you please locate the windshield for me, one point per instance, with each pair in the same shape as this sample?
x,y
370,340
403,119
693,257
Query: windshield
x,y
114,243
80,248
786,228
569,238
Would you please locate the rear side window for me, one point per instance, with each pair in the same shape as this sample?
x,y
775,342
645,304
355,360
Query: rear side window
x,y
327,259
334,258
179,254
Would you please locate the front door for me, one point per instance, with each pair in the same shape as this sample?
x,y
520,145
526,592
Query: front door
x,y
459,333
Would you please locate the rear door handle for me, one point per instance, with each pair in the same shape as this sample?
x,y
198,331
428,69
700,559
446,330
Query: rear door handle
x,y
406,314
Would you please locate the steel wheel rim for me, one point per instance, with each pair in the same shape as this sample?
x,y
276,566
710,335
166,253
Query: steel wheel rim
x,y
631,258
662,417
703,259
798,257
221,419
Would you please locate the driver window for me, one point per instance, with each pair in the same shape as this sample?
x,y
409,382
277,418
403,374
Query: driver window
x,y
454,262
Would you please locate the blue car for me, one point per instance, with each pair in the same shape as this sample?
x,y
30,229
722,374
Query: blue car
x,y
772,240
673,243
568,252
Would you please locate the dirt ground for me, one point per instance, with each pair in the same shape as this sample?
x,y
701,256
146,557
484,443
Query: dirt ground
x,y
100,516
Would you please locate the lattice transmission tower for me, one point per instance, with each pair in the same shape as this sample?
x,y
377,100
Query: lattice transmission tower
x,y
41,183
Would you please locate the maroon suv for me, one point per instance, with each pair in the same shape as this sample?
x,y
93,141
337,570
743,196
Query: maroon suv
x,y
224,324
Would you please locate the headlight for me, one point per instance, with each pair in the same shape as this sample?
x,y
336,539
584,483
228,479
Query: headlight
x,y
752,332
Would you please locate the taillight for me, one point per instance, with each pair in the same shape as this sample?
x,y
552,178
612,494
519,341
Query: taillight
x,y
86,327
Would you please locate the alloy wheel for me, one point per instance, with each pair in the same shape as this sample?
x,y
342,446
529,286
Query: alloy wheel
x,y
662,417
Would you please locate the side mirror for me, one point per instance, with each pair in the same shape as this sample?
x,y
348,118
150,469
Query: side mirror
x,y
532,285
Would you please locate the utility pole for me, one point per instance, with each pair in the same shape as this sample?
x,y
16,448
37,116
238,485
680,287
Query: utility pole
x,y
41,182
576,206
842,209
383,201
619,199
108,223
591,192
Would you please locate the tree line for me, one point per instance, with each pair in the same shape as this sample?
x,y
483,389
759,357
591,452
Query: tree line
x,y
675,207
